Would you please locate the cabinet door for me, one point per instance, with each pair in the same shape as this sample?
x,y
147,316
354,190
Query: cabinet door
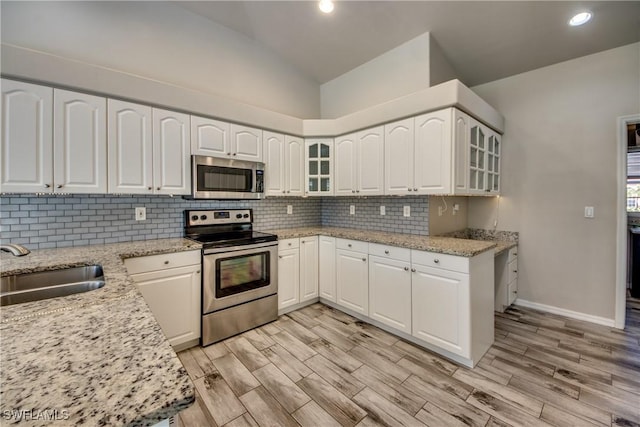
x,y
352,281
345,172
294,166
246,143
27,138
319,170
288,277
398,149
210,137
390,292
173,295
274,160
477,157
130,148
308,268
492,184
327,262
461,151
370,162
440,308
79,143
433,162
171,152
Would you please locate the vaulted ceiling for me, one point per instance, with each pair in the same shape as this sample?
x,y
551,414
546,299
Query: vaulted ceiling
x,y
483,41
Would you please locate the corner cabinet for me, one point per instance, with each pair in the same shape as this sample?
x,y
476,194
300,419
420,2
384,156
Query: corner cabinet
x,y
53,141
284,161
318,160
170,285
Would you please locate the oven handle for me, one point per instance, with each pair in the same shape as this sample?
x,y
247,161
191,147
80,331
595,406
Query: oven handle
x,y
238,248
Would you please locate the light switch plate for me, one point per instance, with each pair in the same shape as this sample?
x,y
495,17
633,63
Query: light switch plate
x,y
289,209
589,212
383,210
406,211
141,214
352,209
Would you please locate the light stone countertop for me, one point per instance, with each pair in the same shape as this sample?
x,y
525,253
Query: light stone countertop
x,y
99,357
444,245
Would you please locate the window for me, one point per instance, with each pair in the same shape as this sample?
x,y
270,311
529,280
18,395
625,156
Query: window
x,y
633,181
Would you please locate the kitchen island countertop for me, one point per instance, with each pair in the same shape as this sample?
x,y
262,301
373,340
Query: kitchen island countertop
x,y
95,358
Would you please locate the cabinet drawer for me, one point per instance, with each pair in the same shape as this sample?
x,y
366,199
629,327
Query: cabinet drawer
x,y
445,261
513,254
161,262
352,245
512,273
513,291
288,244
390,252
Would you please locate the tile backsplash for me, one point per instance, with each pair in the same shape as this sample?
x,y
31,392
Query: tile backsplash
x,y
47,221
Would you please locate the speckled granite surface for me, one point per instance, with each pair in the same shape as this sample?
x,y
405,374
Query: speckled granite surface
x,y
99,356
445,245
504,240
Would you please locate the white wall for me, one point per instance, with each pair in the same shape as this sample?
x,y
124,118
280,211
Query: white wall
x,y
440,69
559,155
162,41
400,71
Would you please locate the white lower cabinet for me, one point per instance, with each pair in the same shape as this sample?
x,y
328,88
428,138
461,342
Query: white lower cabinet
x,y
352,276
297,271
170,284
506,279
390,292
327,267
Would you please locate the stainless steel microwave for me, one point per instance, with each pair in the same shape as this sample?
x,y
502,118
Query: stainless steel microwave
x,y
215,178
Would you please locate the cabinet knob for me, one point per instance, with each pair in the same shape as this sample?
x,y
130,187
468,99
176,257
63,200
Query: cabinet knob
x,y
47,186
59,186
166,262
235,154
353,191
357,191
415,189
437,261
386,252
289,243
515,254
413,270
301,241
279,256
406,269
149,188
409,189
364,259
515,271
288,191
283,191
158,188
515,292
228,154
349,244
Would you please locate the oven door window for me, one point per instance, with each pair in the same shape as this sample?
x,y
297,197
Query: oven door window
x,y
217,178
242,273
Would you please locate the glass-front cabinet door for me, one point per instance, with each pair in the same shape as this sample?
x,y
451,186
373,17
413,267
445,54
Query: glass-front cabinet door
x,y
493,163
319,167
484,160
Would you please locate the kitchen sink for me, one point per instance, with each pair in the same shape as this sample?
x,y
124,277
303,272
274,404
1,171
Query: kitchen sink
x,y
28,287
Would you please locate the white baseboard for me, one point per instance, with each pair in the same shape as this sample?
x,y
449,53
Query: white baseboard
x,y
567,313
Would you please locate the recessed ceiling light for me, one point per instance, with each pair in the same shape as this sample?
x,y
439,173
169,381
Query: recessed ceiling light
x,y
326,6
580,18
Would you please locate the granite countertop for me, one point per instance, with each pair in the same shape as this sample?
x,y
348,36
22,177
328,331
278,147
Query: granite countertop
x,y
439,244
97,358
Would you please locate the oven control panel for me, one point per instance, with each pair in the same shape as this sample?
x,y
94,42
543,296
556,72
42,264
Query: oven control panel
x,y
217,217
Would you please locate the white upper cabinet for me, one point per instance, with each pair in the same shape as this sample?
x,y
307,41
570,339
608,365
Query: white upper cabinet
x,y
360,163
171,152
398,149
318,160
130,148
27,129
215,138
461,156
246,143
210,137
433,153
284,160
484,150
79,143
52,140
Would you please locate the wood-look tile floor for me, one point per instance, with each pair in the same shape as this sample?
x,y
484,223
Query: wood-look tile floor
x,y
320,367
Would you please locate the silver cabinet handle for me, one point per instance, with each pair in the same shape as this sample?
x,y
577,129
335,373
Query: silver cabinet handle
x,y
406,269
59,186
386,252
437,261
364,259
413,270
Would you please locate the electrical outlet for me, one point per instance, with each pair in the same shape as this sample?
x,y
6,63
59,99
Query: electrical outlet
x,y
589,212
352,209
383,210
440,210
289,209
456,208
141,214
406,211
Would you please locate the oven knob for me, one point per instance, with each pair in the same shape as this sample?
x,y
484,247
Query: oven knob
x,y
238,216
246,215
194,218
203,217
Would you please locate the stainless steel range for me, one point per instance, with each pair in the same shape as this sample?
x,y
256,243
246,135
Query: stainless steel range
x,y
239,272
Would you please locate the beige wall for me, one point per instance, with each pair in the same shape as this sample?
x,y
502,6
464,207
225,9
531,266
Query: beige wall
x,y
163,42
440,69
448,222
559,155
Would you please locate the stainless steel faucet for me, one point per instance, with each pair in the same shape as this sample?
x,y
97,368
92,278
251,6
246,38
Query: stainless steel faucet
x,y
14,249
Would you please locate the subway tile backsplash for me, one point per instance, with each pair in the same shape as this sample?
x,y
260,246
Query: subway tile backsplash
x,y
40,222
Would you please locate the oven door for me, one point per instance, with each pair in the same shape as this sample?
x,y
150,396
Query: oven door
x,y
239,274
